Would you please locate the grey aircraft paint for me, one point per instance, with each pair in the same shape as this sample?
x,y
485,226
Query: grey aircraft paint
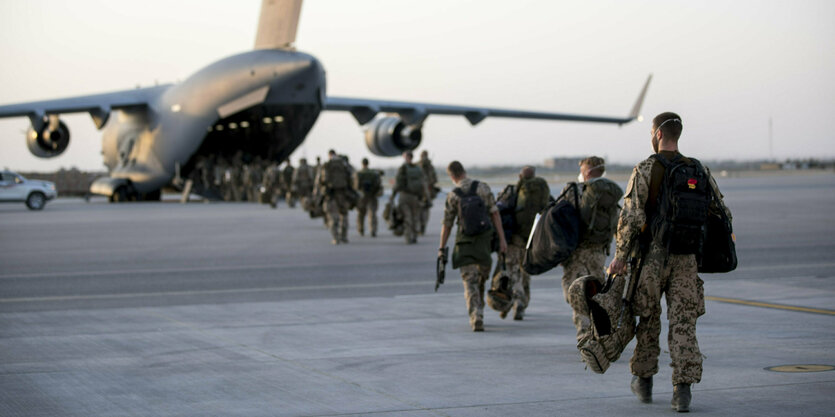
x,y
260,103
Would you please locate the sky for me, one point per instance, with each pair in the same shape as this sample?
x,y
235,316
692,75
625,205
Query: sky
x,y
726,67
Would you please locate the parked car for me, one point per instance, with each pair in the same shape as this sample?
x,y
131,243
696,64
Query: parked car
x,y
35,193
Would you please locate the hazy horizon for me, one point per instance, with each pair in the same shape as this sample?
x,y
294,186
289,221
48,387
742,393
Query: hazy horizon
x,y
726,68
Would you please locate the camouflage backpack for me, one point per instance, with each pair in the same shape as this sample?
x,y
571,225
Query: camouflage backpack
x,y
599,210
414,179
533,195
336,174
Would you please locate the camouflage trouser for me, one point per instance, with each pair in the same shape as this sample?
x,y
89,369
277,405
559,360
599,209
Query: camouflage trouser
x,y
474,277
676,277
410,208
290,199
585,260
336,211
424,218
520,280
367,205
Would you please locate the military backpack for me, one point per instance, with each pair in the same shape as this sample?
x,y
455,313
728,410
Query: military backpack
x,y
599,210
683,201
336,174
472,212
533,195
506,203
368,181
414,179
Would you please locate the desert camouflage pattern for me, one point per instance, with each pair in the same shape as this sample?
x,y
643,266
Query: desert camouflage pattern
x,y
336,210
474,277
520,281
599,339
587,259
367,206
674,276
410,206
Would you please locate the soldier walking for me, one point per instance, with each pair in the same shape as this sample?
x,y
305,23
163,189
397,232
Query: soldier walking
x,y
599,212
287,180
478,216
668,264
370,185
336,183
431,178
302,182
411,185
532,195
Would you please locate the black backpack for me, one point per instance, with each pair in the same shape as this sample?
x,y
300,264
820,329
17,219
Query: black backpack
x,y
683,201
506,203
555,235
472,213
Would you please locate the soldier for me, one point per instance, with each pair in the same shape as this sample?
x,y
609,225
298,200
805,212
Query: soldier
x,y
601,195
475,202
532,195
271,183
302,183
667,266
432,185
411,185
370,185
287,180
336,182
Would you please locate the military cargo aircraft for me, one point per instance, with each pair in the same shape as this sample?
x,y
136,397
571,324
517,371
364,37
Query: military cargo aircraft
x,y
260,103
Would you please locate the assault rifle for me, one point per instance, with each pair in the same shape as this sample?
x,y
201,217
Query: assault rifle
x,y
440,267
639,249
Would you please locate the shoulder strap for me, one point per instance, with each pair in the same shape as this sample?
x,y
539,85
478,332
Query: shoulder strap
x,y
458,191
473,187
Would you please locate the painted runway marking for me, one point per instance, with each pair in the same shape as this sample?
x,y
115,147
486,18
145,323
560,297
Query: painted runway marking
x,y
427,284
772,305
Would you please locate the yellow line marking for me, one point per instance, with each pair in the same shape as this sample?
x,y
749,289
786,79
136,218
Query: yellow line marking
x,y
771,305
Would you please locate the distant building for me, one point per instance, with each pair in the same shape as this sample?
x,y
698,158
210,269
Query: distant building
x,y
563,164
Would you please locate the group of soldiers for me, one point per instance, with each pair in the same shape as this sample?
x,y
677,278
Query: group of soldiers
x,y
663,269
258,180
338,188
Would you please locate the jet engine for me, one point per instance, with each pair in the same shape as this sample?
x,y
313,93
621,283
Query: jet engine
x,y
389,136
52,140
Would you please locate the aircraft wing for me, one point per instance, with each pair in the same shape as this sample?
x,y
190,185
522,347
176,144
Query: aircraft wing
x,y
98,105
364,110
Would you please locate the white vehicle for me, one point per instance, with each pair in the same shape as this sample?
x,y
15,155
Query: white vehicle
x,y
35,193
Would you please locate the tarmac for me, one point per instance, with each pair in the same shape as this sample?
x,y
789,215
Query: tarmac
x,y
232,309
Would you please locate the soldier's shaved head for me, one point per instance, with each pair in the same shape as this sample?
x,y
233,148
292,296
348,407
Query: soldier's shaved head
x,y
365,162
670,125
527,172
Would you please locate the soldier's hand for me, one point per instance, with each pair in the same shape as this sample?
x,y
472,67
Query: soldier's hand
x,y
502,246
441,253
617,267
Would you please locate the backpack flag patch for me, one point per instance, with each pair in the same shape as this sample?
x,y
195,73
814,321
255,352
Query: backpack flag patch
x,y
691,183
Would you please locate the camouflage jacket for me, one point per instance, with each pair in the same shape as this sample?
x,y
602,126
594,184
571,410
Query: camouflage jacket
x,y
633,216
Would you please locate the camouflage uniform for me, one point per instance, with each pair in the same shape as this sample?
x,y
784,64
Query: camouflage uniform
x,y
367,204
663,273
431,180
410,204
337,201
287,180
301,184
515,256
473,259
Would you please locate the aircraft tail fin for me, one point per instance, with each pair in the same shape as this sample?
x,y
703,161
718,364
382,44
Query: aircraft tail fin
x,y
636,109
277,24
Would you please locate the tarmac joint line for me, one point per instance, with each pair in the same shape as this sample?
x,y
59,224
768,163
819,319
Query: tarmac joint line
x,y
772,305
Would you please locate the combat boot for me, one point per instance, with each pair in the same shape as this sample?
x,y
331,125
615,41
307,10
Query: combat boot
x,y
681,398
478,325
642,388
